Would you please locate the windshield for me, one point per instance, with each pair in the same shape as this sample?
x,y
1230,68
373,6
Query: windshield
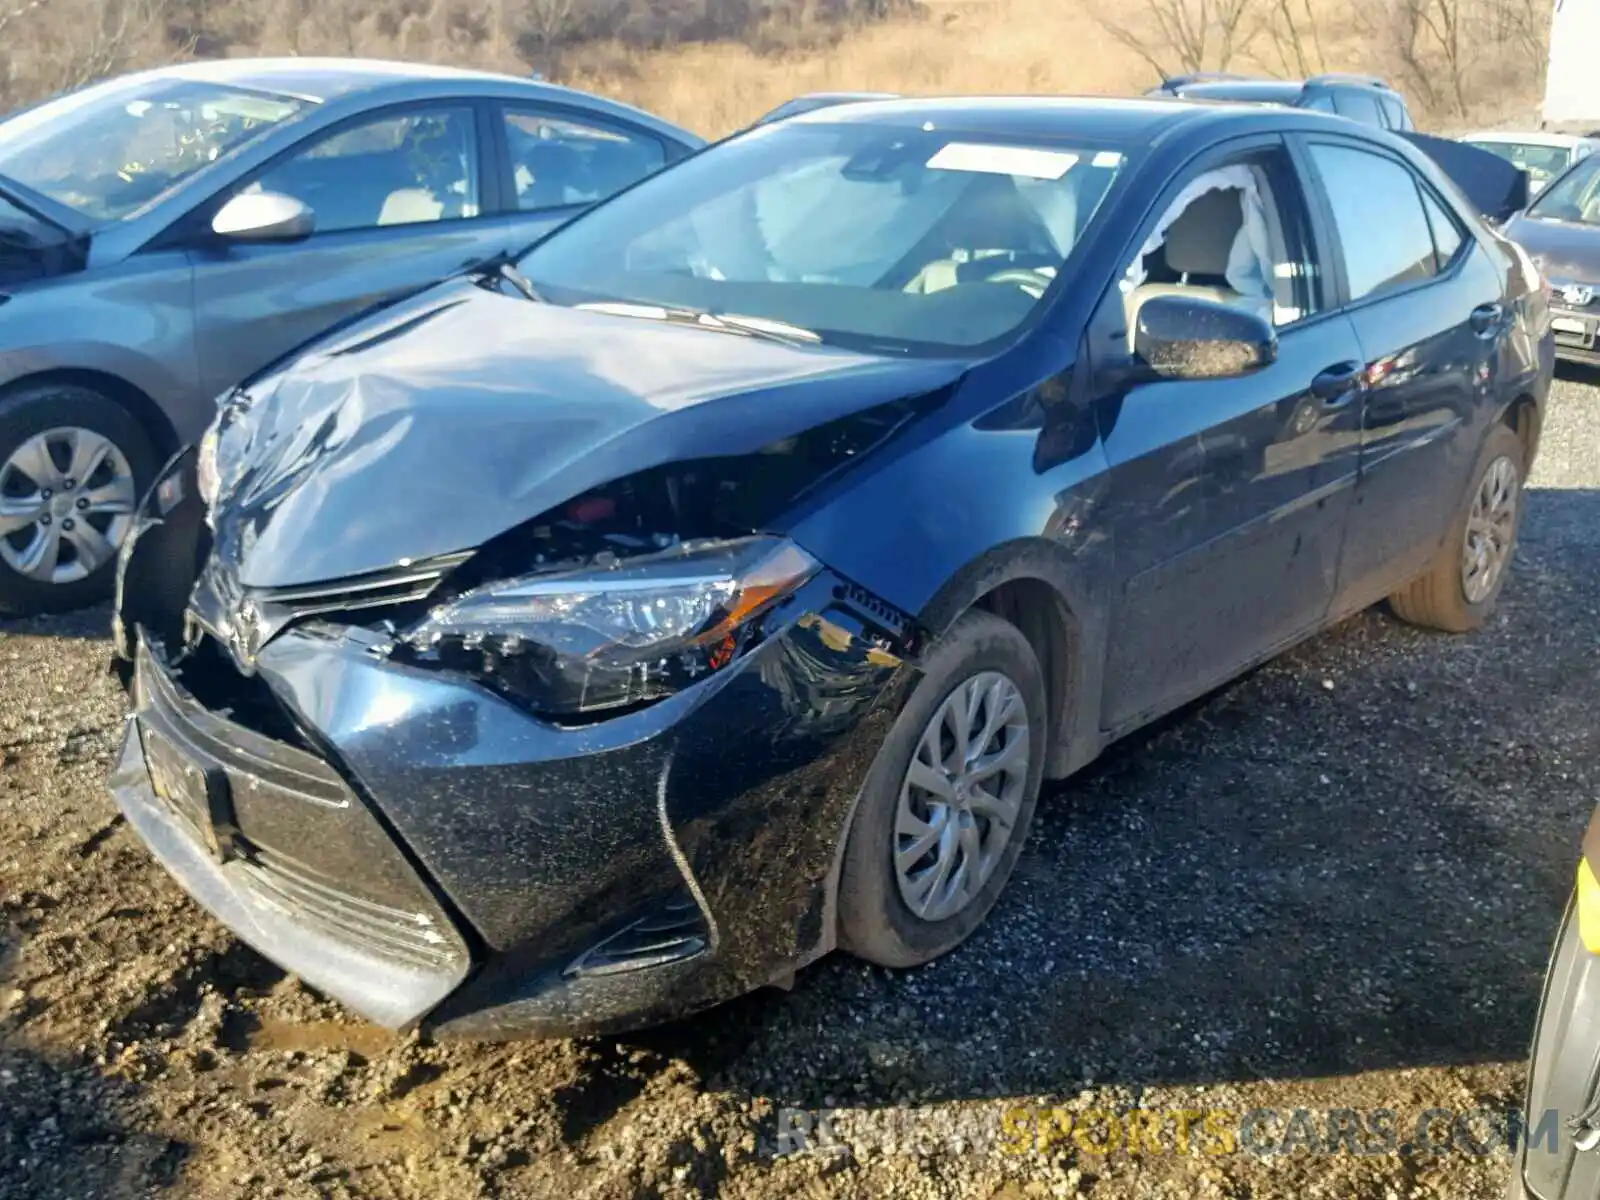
x,y
108,150
1572,197
874,237
1542,163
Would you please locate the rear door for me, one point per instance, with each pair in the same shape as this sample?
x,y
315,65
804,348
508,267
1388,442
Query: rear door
x,y
1228,497
403,196
1426,302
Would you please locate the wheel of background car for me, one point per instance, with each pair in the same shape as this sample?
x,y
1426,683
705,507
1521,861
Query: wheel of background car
x,y
73,464
1462,584
1035,283
946,806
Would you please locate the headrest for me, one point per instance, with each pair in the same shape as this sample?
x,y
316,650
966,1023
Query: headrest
x,y
1201,239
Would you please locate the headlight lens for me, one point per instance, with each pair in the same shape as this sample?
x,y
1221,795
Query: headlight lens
x,y
205,466
614,635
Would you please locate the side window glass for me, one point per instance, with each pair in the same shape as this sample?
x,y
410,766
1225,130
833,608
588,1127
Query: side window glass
x,y
1394,113
556,161
1358,106
1322,102
1383,229
1235,235
405,169
1447,235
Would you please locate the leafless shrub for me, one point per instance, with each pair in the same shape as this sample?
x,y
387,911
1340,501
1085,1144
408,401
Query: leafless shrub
x,y
55,45
1191,35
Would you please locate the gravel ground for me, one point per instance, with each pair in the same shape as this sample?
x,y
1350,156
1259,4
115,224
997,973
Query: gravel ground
x,y
1332,885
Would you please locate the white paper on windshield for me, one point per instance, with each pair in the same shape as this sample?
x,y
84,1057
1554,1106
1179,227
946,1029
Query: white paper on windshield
x,y
1003,160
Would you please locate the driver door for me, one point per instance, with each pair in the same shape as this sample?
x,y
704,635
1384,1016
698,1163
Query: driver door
x,y
1229,497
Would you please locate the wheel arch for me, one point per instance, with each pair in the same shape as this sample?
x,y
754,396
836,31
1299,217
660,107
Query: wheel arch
x,y
1040,586
1036,585
1524,418
134,399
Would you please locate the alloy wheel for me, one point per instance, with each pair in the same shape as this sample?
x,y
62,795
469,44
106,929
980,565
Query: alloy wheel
x,y
961,796
67,499
1491,526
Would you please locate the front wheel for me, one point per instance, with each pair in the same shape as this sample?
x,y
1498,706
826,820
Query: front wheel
x,y
73,464
947,804
1460,589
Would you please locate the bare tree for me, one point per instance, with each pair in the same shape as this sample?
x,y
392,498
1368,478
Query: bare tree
x,y
1296,37
1192,35
545,24
1442,20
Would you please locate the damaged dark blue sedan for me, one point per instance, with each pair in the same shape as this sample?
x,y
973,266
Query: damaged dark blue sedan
x,y
602,634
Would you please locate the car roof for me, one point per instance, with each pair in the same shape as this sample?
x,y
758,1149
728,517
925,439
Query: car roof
x,y
1107,117
1260,91
1518,138
322,78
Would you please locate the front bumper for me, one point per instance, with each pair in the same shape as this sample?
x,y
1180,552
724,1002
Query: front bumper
x,y
1577,334
383,946
582,879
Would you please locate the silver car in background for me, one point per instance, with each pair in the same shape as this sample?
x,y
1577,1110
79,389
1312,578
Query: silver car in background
x,y
1541,154
165,234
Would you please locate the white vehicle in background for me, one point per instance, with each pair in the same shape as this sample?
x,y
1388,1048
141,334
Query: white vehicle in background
x,y
1542,155
1570,93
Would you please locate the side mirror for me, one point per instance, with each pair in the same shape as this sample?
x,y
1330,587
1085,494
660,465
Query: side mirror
x,y
264,217
1182,338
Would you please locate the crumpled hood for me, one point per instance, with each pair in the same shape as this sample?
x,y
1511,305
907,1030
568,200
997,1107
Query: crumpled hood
x,y
1566,252
462,413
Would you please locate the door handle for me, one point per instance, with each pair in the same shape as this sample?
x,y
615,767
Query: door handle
x,y
1338,383
1487,318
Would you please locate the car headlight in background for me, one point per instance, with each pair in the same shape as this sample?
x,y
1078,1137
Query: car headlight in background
x,y
618,634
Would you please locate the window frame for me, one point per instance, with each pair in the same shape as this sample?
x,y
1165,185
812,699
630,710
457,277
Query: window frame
x,y
193,229
502,108
1430,195
1108,313
1338,277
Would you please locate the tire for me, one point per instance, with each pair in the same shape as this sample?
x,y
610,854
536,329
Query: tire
x,y
876,923
1439,599
24,416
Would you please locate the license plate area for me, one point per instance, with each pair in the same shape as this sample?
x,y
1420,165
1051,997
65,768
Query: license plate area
x,y
1573,329
197,794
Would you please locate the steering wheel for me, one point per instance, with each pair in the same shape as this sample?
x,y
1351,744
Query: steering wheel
x,y
1031,280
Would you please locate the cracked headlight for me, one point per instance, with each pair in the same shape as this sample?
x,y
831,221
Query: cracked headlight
x,y
205,466
616,634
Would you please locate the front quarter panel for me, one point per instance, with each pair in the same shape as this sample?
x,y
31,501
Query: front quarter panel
x,y
133,320
982,494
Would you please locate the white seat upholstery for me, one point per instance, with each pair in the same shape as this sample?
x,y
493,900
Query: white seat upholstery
x,y
1199,244
410,206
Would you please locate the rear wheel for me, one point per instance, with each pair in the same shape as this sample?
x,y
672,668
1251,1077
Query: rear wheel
x,y
948,801
1460,589
73,464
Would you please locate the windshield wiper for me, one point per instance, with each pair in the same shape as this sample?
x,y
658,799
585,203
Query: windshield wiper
x,y
503,266
518,280
764,328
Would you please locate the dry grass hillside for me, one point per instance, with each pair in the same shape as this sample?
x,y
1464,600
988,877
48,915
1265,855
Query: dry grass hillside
x,y
713,64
